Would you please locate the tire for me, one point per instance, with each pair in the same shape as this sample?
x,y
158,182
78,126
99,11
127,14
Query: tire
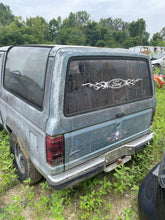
x,y
23,165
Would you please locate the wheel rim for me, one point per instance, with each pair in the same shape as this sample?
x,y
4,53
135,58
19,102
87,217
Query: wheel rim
x,y
19,157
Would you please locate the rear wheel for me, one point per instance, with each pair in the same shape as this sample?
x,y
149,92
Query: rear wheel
x,y
23,165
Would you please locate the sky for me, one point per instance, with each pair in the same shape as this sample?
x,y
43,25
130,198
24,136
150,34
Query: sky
x,y
152,11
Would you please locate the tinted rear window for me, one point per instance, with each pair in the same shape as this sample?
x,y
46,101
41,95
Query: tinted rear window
x,y
94,84
25,73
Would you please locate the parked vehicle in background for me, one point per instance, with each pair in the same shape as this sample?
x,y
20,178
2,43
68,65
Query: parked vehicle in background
x,y
73,111
145,50
158,60
151,196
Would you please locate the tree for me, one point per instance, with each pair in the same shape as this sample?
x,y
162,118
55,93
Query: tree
x,y
116,39
76,29
156,40
145,38
54,27
162,33
11,35
82,18
6,16
71,36
37,28
70,21
106,23
137,29
116,24
92,33
78,19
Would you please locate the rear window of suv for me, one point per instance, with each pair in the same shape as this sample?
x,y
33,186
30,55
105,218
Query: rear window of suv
x,y
25,73
94,84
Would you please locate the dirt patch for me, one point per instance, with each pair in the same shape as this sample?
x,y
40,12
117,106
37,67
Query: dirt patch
x,y
71,212
119,204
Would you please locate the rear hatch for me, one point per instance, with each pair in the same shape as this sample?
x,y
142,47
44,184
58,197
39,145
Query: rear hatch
x,y
108,102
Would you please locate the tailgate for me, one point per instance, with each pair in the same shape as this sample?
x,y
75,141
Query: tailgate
x,y
87,143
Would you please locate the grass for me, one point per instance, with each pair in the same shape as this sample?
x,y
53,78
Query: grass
x,y
95,198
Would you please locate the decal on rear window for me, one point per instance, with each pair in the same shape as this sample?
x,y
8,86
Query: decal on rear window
x,y
113,84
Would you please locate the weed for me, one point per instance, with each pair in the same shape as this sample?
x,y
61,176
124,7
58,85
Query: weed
x,y
93,201
6,164
127,214
56,205
89,184
29,193
123,179
14,210
127,177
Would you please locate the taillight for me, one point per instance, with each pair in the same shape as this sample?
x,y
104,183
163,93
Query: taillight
x,y
55,150
153,114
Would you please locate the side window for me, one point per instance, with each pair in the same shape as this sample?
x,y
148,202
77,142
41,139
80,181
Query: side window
x,y
1,58
25,73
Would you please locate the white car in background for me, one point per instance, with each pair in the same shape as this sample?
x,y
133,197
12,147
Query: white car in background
x,y
158,60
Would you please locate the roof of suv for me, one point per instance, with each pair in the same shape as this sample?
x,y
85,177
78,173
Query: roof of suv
x,y
97,50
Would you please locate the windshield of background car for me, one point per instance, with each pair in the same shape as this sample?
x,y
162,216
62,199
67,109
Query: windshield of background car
x,y
25,73
94,84
157,56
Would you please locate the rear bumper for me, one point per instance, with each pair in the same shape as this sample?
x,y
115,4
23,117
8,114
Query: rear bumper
x,y
105,162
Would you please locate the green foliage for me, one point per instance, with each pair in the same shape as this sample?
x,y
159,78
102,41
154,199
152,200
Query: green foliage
x,y
14,210
128,214
6,16
52,203
137,28
157,40
54,26
8,175
159,121
36,27
129,177
76,29
82,18
123,179
71,36
92,33
93,201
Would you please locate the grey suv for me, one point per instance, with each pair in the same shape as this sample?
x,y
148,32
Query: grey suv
x,y
72,112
